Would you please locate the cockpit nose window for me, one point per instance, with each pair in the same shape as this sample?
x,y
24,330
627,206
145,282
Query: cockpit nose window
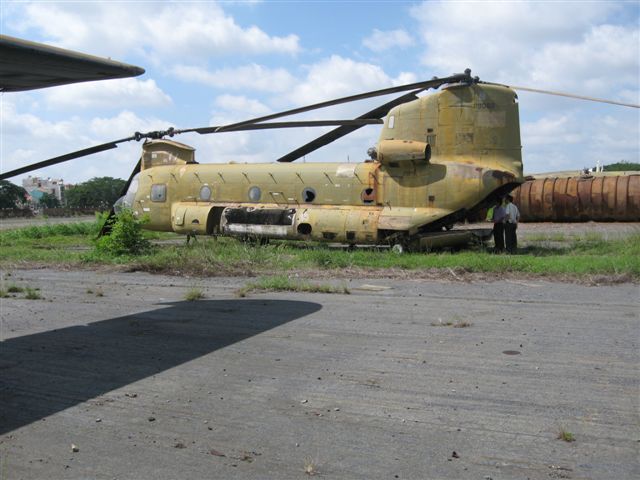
x,y
127,200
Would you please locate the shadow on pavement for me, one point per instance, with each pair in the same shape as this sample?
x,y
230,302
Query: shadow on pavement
x,y
47,372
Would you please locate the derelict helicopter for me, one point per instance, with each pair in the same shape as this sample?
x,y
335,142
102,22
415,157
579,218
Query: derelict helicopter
x,y
439,159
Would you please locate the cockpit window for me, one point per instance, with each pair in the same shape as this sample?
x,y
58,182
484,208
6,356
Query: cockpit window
x,y
254,194
308,195
158,192
205,193
127,200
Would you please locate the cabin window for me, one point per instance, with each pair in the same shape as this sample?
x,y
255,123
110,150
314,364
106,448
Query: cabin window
x,y
308,195
255,194
158,192
205,193
368,195
304,229
391,122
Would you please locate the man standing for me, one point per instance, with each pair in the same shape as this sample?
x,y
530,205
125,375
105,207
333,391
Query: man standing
x,y
512,216
498,216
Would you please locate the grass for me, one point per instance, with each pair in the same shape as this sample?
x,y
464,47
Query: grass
x,y
29,292
46,231
13,288
193,294
546,237
73,245
282,283
462,324
565,435
310,467
449,323
32,294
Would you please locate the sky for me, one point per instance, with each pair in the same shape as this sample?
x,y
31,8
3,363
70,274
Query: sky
x,y
211,63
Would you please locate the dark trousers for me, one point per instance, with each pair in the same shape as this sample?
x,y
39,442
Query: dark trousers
x,y
498,236
511,237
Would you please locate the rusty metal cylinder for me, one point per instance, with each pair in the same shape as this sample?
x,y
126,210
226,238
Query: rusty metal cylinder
x,y
581,198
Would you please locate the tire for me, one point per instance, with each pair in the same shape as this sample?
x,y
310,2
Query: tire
x,y
398,249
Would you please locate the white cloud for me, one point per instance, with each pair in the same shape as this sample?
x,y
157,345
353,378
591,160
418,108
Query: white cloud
x,y
28,138
122,125
558,130
556,46
252,77
115,94
241,105
17,124
380,41
605,59
159,30
404,78
543,45
574,140
206,28
337,76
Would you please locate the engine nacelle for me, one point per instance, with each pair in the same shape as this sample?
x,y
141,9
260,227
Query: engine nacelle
x,y
398,151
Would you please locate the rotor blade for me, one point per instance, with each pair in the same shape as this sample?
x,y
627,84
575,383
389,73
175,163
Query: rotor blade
x,y
569,95
433,83
64,158
266,126
340,132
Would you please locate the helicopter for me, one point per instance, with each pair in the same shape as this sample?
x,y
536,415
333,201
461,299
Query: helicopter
x,y
440,158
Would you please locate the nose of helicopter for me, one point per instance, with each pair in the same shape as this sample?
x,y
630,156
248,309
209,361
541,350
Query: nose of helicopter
x,y
126,201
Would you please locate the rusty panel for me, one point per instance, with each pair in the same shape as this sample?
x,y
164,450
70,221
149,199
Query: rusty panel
x,y
547,197
572,204
609,191
600,198
584,197
535,198
597,200
622,201
561,201
633,196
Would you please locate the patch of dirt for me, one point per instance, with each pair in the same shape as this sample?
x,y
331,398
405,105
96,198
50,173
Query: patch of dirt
x,y
456,274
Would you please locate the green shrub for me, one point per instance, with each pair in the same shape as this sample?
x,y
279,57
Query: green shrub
x,y
126,237
32,294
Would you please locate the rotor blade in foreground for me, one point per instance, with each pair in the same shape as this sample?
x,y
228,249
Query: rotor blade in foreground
x,y
340,132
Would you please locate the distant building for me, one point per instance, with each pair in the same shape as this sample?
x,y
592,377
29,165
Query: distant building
x,y
36,186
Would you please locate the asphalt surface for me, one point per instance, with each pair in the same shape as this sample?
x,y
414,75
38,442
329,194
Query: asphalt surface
x,y
371,385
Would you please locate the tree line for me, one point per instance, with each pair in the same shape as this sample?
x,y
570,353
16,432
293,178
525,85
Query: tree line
x,y
99,193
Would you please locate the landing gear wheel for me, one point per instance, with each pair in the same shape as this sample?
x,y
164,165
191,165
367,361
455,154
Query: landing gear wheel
x,y
398,249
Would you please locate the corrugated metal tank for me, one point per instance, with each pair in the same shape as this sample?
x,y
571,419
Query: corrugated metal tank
x,y
597,197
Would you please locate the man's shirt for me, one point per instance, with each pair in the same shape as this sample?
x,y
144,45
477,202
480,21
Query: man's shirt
x,y
512,213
